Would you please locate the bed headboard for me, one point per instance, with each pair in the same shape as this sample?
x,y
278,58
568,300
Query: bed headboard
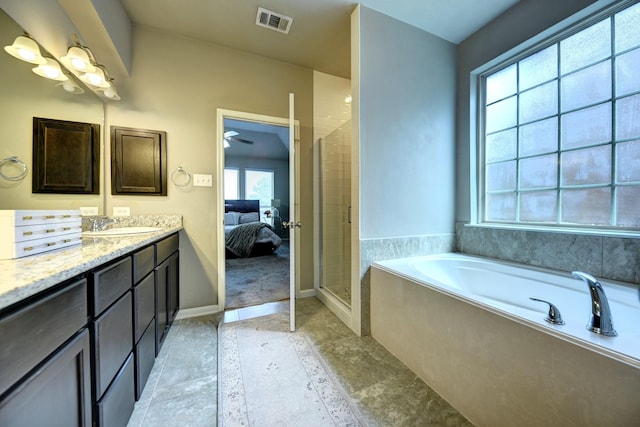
x,y
241,206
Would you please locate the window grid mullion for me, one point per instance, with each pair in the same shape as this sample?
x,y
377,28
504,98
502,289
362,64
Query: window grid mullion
x,y
614,161
559,141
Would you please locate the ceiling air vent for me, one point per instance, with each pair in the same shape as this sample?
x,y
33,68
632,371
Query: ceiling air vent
x,y
274,20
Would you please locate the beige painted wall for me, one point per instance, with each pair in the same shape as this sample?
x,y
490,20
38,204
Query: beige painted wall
x,y
176,85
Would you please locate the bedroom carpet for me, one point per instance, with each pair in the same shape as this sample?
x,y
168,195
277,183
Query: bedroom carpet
x,y
257,280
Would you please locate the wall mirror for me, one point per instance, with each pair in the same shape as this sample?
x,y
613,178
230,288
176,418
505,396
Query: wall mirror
x,y
23,96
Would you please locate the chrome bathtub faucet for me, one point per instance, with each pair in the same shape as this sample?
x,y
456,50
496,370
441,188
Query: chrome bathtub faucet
x,y
600,321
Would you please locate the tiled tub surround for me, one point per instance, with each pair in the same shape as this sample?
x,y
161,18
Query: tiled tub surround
x,y
372,250
607,257
499,368
25,277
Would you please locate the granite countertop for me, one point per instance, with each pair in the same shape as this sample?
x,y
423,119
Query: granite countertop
x,y
23,277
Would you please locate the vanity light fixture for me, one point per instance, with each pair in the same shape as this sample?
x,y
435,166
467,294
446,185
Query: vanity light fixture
x,y
71,87
50,70
79,58
110,92
96,78
25,49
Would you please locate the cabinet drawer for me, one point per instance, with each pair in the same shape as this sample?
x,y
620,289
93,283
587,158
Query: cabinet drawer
x,y
113,341
33,332
144,301
143,263
166,247
115,408
109,284
57,394
145,354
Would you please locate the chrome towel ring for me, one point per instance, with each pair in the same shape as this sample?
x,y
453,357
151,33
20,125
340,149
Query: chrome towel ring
x,y
180,177
14,160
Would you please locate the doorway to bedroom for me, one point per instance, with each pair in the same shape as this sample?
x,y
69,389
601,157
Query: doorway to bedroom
x,y
256,197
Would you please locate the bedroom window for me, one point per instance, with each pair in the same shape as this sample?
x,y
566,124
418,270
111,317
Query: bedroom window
x,y
561,137
231,184
259,184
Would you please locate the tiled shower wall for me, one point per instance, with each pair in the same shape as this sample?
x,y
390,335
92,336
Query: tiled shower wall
x,y
614,258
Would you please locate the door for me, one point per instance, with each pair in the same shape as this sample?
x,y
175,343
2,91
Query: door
x,y
225,117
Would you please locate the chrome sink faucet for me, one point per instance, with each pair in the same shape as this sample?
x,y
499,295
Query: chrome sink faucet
x,y
98,224
600,321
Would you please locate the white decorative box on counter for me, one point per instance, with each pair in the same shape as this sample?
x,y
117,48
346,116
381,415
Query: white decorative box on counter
x,y
30,232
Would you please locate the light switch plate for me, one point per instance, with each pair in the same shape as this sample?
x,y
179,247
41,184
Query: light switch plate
x,y
121,211
202,180
88,210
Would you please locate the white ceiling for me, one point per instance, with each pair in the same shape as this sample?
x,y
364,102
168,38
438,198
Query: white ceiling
x,y
320,35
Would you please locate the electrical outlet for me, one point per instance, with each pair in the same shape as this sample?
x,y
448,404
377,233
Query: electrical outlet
x,y
200,180
88,210
121,211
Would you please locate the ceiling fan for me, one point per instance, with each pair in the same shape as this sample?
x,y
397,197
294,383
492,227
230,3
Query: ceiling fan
x,y
232,135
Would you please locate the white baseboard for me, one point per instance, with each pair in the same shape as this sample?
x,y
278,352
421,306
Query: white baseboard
x,y
307,293
186,313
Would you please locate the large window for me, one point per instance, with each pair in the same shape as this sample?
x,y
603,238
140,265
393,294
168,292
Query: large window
x,y
259,184
562,130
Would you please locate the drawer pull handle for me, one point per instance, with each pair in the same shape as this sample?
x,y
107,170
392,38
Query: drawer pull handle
x,y
51,244
66,216
27,233
28,248
49,217
66,241
66,228
49,230
27,218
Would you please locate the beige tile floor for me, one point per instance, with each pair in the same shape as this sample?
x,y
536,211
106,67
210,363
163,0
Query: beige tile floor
x,y
182,388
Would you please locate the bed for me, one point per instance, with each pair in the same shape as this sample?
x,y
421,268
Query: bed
x,y
245,235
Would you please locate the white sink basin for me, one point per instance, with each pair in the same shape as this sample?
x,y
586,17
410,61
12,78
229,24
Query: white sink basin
x,y
121,231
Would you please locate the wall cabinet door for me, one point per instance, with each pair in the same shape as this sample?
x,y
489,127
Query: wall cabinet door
x,y
58,394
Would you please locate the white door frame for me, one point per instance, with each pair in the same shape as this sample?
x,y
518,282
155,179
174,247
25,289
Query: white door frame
x,y
223,114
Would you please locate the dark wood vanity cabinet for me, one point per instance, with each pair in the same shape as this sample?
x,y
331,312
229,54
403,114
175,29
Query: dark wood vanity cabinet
x,y
80,353
44,360
167,286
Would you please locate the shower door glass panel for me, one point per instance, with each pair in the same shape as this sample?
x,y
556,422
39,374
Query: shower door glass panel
x,y
335,175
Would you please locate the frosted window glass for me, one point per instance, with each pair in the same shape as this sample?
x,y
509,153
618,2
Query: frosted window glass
x,y
628,117
588,166
586,127
501,176
628,72
539,67
501,207
628,155
502,84
586,47
588,86
538,206
589,206
628,206
539,102
501,145
539,137
501,115
627,24
536,172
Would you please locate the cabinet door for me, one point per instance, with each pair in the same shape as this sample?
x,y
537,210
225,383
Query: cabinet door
x,y
161,303
56,394
173,287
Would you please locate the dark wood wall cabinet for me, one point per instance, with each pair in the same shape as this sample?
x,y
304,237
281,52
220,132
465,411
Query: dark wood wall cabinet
x,y
66,157
80,354
138,161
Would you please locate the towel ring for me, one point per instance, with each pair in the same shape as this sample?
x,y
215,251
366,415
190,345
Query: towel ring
x,y
14,160
185,180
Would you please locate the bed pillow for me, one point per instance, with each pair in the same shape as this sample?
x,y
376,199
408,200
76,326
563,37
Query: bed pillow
x,y
248,217
231,218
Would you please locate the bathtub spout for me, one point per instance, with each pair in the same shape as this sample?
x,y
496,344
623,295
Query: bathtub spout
x,y
600,321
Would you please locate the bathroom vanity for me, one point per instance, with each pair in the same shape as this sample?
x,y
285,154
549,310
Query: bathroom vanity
x,y
81,328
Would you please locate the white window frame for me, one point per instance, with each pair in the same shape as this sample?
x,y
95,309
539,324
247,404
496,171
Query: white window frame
x,y
477,123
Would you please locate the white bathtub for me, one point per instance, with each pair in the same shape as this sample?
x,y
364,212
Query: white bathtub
x,y
467,327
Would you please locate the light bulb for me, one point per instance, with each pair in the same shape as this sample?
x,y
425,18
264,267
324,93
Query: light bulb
x,y
79,64
27,55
